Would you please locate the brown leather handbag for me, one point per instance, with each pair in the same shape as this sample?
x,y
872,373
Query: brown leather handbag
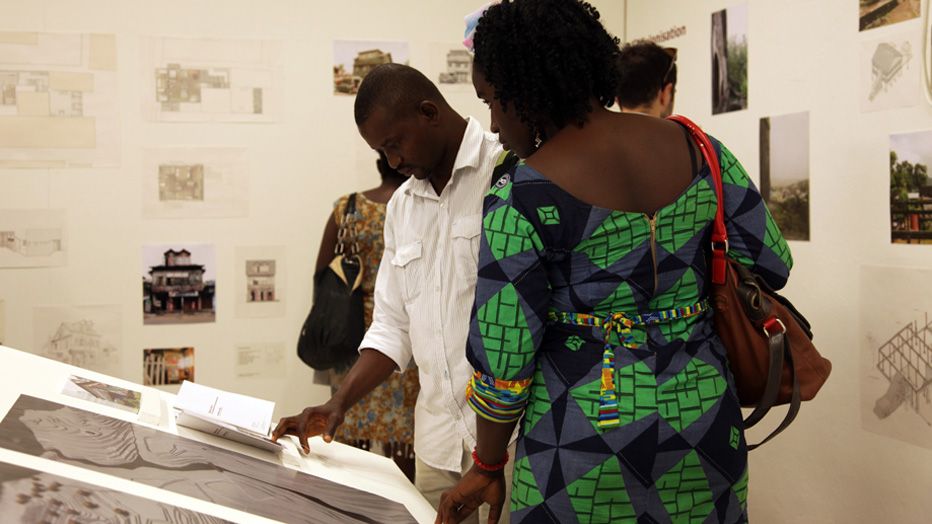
x,y
769,343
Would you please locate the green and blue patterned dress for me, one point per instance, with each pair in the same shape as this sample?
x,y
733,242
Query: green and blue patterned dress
x,y
594,324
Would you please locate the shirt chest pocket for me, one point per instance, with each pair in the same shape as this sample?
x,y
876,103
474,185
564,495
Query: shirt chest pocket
x,y
408,260
466,232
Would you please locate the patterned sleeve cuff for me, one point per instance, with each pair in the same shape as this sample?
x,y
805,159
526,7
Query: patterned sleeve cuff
x,y
497,400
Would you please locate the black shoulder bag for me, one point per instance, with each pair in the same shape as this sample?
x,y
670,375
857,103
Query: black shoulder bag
x,y
335,326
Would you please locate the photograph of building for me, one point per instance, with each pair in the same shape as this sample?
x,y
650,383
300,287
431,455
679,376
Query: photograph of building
x,y
260,277
459,68
352,61
166,367
178,289
911,188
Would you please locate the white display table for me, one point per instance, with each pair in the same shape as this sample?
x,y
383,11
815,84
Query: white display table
x,y
27,374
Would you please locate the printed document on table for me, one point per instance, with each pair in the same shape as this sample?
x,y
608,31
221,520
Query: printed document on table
x,y
241,411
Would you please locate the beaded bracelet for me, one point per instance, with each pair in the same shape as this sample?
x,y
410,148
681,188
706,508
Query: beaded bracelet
x,y
491,468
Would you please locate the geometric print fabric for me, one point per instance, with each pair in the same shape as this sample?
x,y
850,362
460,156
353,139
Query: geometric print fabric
x,y
671,396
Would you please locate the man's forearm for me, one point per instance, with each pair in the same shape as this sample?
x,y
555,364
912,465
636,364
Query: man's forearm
x,y
371,369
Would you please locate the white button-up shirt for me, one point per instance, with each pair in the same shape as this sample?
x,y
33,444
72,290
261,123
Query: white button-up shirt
x,y
425,291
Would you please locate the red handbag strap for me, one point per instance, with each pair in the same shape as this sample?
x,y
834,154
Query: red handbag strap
x,y
719,233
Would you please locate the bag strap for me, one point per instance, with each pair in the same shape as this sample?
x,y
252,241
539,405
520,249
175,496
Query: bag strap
x,y
506,161
346,234
777,342
719,232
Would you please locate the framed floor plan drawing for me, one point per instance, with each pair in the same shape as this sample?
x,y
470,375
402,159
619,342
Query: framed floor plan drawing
x,y
58,100
195,183
210,80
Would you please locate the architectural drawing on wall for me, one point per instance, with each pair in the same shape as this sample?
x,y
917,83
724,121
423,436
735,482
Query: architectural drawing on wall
x,y
29,496
911,188
451,66
210,80
905,359
878,13
260,281
352,61
784,172
178,284
128,451
181,182
896,353
261,360
195,183
890,72
102,393
32,238
729,49
58,101
89,337
167,366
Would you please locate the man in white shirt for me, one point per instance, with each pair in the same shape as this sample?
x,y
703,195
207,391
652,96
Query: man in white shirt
x,y
426,282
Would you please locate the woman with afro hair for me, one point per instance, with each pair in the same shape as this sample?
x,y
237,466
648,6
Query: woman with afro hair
x,y
591,322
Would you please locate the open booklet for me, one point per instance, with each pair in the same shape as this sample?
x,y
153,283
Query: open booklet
x,y
232,416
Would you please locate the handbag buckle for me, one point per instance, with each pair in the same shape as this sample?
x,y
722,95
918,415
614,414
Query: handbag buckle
x,y
772,323
720,245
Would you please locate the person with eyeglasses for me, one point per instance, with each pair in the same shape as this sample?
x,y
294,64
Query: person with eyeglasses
x,y
647,79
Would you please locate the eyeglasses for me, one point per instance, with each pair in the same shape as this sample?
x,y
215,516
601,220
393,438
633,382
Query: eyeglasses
x,y
671,52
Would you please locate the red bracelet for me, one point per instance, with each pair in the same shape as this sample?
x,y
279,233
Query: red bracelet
x,y
489,467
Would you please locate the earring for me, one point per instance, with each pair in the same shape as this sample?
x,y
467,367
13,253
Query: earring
x,y
537,141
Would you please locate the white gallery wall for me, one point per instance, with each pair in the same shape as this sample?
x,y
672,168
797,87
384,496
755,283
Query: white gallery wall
x,y
839,462
295,164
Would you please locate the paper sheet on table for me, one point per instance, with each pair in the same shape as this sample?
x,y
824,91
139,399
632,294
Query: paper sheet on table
x,y
242,411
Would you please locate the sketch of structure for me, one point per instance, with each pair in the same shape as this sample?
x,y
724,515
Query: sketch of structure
x,y
177,291
459,68
32,242
125,450
87,337
887,65
181,182
102,393
197,80
260,275
32,238
58,103
195,183
165,367
906,361
887,72
29,496
80,344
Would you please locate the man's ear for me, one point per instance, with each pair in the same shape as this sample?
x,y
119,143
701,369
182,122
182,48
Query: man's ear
x,y
428,111
666,95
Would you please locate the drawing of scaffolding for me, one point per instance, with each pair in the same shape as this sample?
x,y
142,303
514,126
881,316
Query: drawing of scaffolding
x,y
906,360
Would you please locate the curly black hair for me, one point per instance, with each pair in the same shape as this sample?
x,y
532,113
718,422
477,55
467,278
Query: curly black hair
x,y
547,58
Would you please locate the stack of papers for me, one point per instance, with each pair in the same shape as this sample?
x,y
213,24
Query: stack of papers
x,y
232,416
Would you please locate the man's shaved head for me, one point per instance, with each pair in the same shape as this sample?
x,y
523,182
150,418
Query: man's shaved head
x,y
397,88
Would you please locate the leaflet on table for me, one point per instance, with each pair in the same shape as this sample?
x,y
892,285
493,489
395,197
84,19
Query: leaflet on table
x,y
231,409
